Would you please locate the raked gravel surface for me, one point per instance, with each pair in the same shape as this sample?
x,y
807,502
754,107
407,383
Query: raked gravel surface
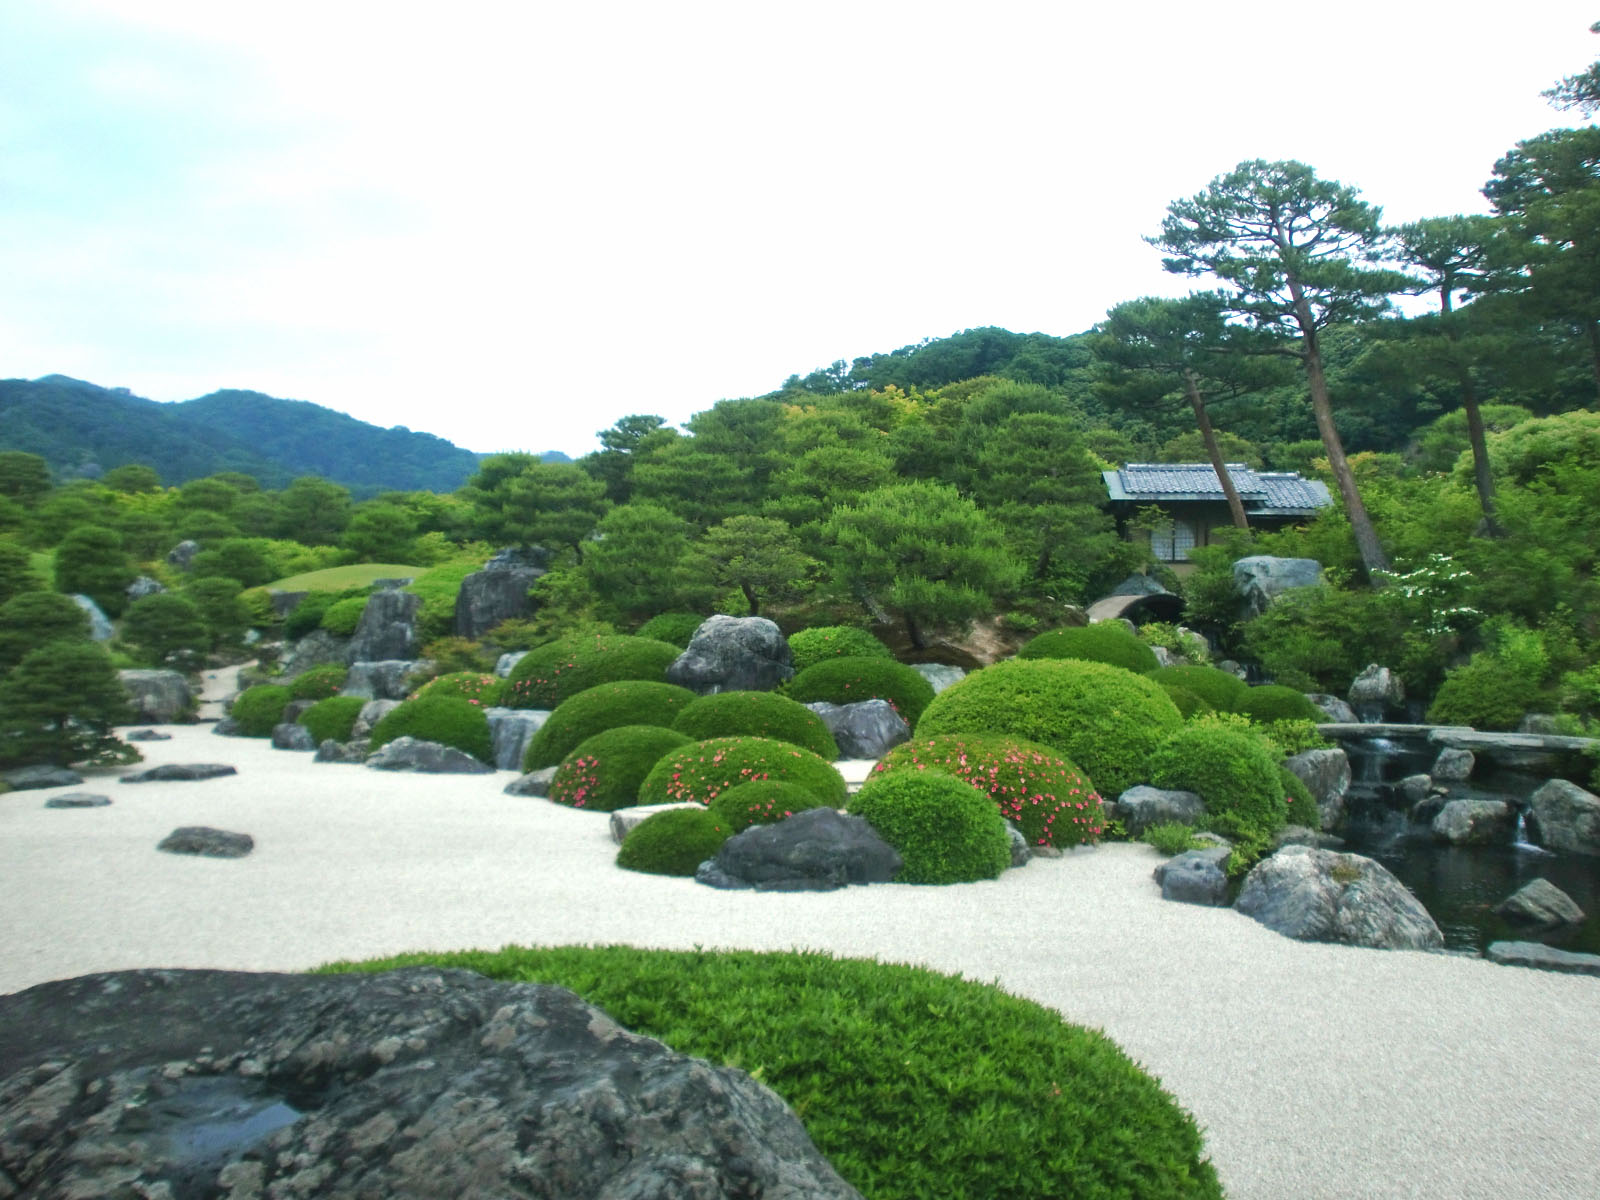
x,y
1314,1071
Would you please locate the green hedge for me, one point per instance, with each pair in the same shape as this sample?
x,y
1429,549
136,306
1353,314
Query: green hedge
x,y
811,646
699,772
475,687
763,802
847,680
256,710
1104,641
756,714
1225,692
556,671
1273,702
945,830
632,702
604,772
443,719
319,682
333,718
1049,799
1233,772
674,842
675,627
1104,719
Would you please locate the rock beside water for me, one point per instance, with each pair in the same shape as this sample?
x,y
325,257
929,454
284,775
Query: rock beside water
x,y
1322,896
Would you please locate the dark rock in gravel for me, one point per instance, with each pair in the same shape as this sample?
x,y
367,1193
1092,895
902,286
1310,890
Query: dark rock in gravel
x,y
228,727
77,800
211,843
431,758
180,772
412,1083
1140,807
288,735
332,751
534,783
158,697
1195,877
1021,855
146,735
817,850
27,779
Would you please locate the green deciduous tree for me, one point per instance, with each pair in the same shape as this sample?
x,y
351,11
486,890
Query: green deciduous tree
x,y
58,705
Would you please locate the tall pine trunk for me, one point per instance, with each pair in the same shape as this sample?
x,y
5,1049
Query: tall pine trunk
x,y
1209,437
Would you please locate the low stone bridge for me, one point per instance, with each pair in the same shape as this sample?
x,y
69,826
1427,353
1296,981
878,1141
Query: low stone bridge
x,y
1541,753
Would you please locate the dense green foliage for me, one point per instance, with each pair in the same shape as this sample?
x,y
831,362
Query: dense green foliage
x,y
605,772
333,717
91,560
703,770
631,702
1104,641
1105,719
1171,837
675,627
547,675
444,719
945,830
848,680
762,802
34,619
1300,807
165,628
1483,695
343,616
319,682
58,705
1233,773
1270,702
1188,703
811,646
1037,789
756,714
674,842
257,709
475,687
1219,689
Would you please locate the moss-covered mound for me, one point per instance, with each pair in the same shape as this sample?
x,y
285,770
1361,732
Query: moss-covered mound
x,y
675,627
1082,1119
701,771
333,718
1273,702
605,771
756,714
847,680
256,710
444,719
475,687
1484,695
1300,805
342,616
1233,772
945,830
1188,703
811,646
674,842
556,671
1037,788
1223,691
1104,719
633,702
318,683
1104,641
761,803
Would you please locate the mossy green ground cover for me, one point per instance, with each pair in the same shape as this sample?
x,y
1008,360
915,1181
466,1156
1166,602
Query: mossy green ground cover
x,y
336,579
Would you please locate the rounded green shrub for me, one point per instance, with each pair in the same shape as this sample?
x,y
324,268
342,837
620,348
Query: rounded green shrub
x,y
443,719
811,646
945,830
1301,806
847,680
342,616
1273,702
701,771
1225,692
307,614
756,714
1038,789
333,717
1188,703
1104,641
1233,772
258,709
605,771
675,627
549,674
632,702
318,683
1482,694
674,842
1105,719
763,802
31,620
475,687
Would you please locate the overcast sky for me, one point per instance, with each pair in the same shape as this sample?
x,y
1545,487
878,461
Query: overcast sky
x,y
510,224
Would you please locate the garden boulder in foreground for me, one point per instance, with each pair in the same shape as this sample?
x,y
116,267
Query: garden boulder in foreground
x,y
1321,896
418,1082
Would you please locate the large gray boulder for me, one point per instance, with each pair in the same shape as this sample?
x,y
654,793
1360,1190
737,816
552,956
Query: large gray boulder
x,y
287,735
1333,709
144,586
535,783
331,751
183,553
1568,817
817,850
388,628
179,773
413,1083
1542,904
100,627
510,731
1196,877
319,648
158,697
1262,578
1453,766
1473,823
865,729
1326,774
371,713
734,654
428,758
384,680
1376,692
1322,896
499,592
1140,807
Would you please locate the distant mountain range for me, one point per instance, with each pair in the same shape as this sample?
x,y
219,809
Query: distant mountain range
x,y
81,429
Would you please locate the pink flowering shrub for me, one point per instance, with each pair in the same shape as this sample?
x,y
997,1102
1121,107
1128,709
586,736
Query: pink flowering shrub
x,y
604,772
763,802
1038,789
475,687
701,771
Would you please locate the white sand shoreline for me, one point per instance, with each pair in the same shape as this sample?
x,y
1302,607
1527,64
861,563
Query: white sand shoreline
x,y
1314,1070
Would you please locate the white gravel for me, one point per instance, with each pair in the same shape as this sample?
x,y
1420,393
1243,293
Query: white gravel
x,y
1313,1070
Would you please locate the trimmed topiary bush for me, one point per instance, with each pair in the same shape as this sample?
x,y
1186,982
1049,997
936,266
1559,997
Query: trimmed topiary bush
x,y
1300,806
1233,772
1037,788
258,709
1104,641
701,771
674,842
675,627
342,616
1484,695
318,683
1223,691
475,687
333,718
551,673
945,830
443,719
632,702
756,714
847,680
1273,702
605,771
1188,703
811,646
1104,719
763,802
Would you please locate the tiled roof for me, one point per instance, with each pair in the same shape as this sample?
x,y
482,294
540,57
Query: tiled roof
x,y
1263,492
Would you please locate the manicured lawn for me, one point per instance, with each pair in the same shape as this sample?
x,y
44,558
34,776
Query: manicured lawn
x,y
336,579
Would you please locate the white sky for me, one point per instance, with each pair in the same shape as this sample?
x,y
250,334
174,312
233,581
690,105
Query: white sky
x,y
510,224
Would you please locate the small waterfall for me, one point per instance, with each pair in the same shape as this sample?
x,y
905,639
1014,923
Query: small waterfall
x,y
1369,712
1367,762
1519,840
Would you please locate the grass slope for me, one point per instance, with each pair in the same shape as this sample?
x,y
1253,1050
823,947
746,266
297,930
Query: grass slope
x,y
336,579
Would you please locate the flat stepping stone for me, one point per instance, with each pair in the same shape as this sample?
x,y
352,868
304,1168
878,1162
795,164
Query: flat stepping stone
x,y
203,840
1543,958
146,735
26,779
78,800
180,772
